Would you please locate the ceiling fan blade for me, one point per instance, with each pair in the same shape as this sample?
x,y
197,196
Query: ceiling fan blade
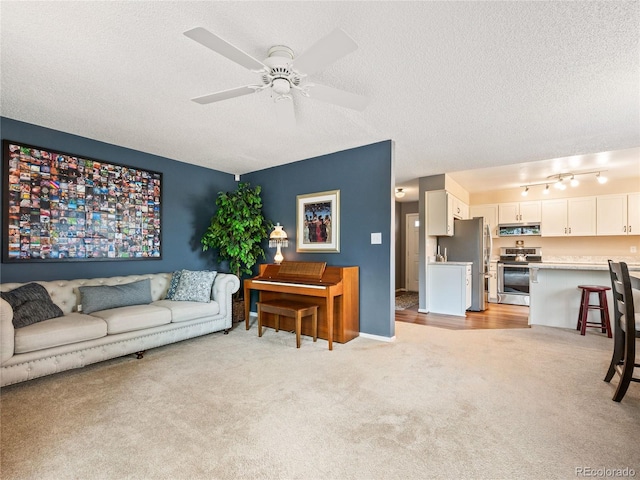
x,y
224,48
338,97
225,94
284,112
324,52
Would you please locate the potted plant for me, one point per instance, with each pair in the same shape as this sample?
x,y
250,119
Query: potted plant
x,y
237,231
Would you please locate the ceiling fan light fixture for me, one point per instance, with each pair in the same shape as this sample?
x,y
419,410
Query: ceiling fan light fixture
x,y
281,86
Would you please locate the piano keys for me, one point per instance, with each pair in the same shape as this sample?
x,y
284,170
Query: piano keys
x,y
335,290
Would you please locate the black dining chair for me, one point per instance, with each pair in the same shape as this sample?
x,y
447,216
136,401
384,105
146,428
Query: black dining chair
x,y
626,330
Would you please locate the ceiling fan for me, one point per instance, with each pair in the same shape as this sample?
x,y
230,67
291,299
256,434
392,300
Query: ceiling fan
x,y
283,73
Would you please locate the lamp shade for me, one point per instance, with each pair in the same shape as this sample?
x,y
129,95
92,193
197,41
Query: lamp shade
x,y
278,233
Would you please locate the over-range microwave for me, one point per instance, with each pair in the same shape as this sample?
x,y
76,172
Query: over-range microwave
x,y
518,229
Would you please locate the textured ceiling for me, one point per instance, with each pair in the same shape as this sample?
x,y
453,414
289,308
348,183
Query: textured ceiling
x,y
456,85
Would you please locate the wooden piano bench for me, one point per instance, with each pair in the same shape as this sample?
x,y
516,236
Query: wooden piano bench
x,y
288,308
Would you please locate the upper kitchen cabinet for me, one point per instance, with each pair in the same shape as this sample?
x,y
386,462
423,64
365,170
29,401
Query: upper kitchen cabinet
x,y
519,212
459,208
489,214
618,214
442,208
568,216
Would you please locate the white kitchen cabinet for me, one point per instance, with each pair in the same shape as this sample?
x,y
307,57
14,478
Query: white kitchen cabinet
x,y
617,214
449,287
439,213
568,217
633,213
442,208
493,282
489,214
459,208
519,212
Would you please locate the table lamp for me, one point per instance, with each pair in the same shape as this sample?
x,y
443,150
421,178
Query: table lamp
x,y
278,239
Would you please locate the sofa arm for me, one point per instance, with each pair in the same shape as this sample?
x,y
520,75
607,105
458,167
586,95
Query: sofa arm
x,y
224,286
7,332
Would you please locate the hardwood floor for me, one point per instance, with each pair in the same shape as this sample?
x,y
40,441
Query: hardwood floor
x,y
495,316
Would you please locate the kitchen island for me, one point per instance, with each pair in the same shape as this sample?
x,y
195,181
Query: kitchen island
x,y
554,293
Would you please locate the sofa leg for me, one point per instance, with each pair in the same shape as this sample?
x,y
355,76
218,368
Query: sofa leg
x,y
140,354
226,331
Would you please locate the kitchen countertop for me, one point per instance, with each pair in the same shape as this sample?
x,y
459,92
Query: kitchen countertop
x,y
450,263
578,266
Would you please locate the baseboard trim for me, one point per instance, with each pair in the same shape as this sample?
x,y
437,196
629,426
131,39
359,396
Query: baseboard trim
x,y
378,337
422,310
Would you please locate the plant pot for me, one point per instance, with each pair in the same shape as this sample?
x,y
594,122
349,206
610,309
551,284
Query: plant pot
x,y
237,310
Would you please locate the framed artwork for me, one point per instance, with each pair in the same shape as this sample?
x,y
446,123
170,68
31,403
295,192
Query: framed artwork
x,y
62,207
318,222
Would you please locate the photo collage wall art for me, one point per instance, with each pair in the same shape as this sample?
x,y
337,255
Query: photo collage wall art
x,y
61,207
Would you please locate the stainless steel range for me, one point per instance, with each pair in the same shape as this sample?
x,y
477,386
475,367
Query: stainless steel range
x,y
513,273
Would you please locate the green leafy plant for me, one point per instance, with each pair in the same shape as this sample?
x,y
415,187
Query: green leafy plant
x,y
238,228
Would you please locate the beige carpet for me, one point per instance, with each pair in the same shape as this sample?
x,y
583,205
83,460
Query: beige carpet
x,y
478,404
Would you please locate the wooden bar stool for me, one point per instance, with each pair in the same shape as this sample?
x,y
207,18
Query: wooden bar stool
x,y
602,305
292,309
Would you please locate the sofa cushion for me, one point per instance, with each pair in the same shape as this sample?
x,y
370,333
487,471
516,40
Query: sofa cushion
x,y
175,280
71,328
185,311
103,297
135,317
195,286
31,304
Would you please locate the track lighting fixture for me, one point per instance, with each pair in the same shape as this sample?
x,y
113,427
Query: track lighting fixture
x,y
558,181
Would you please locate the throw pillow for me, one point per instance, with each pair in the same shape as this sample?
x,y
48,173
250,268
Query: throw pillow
x,y
195,286
31,304
104,297
175,279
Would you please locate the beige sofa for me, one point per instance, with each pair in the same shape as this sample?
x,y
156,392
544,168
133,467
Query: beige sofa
x,y
77,339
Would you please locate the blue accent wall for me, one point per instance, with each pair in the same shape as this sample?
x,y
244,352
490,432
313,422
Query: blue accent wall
x,y
364,176
188,202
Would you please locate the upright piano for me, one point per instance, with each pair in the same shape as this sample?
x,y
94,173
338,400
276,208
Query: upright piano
x,y
335,290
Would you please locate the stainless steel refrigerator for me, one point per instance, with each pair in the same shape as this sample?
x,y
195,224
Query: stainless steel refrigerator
x,y
471,242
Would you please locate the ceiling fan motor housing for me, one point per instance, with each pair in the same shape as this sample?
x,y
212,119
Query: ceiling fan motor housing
x,y
280,71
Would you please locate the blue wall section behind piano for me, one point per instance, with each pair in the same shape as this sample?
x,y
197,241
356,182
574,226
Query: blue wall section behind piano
x,y
188,201
364,176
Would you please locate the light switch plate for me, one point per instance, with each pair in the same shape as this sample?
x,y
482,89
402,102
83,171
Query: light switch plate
x,y
376,238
